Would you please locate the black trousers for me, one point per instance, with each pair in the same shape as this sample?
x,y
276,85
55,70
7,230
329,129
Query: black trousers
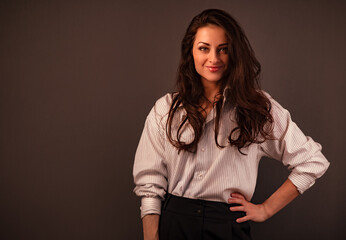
x,y
192,219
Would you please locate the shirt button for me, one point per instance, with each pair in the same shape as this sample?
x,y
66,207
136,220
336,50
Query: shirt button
x,y
202,149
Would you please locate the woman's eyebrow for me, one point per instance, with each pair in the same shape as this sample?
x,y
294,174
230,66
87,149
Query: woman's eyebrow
x,y
222,44
204,43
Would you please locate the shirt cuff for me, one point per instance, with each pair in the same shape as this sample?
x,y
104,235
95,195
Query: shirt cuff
x,y
150,206
302,181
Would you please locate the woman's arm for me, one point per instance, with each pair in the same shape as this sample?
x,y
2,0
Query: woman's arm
x,y
261,212
298,152
151,226
149,170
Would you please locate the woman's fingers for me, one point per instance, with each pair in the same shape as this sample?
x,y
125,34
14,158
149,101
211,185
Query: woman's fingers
x,y
254,212
237,209
236,200
243,219
237,195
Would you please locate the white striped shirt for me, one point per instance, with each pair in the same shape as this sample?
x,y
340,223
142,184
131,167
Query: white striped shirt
x,y
213,173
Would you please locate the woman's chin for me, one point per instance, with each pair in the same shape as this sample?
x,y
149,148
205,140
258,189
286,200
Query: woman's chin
x,y
214,80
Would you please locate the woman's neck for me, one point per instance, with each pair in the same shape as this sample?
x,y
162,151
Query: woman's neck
x,y
211,91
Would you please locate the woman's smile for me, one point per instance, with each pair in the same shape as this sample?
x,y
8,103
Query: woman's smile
x,y
214,68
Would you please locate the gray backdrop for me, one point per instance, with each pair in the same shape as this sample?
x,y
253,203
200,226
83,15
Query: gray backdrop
x,y
79,77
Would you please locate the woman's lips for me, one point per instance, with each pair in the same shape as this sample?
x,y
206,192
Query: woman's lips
x,y
214,68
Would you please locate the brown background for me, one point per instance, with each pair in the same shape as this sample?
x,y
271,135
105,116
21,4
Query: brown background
x,y
79,77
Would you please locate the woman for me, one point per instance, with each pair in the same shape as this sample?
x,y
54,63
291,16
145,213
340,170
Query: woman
x,y
197,160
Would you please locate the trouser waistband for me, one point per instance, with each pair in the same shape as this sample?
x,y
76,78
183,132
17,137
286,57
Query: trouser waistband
x,y
202,208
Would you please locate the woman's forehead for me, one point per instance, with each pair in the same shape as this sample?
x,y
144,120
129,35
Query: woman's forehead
x,y
211,34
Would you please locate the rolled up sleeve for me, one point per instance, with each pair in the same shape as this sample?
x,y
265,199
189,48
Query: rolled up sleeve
x,y
149,170
300,153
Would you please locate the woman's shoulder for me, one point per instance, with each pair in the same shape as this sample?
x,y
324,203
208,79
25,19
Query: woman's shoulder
x,y
165,101
276,106
281,116
162,105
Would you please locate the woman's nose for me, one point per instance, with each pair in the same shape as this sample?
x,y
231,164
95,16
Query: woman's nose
x,y
214,57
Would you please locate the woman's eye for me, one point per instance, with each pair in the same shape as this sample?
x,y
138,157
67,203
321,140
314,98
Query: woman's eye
x,y
203,48
223,50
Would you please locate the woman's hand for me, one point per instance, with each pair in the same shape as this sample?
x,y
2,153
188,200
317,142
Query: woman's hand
x,y
256,213
261,212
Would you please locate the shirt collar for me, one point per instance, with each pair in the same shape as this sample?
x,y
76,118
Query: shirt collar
x,y
226,97
225,94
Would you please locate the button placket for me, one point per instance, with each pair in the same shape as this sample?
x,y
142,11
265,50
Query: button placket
x,y
200,168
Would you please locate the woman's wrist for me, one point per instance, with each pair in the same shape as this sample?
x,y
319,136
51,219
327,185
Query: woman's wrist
x,y
267,211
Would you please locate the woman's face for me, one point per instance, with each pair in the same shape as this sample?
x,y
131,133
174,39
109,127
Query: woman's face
x,y
210,53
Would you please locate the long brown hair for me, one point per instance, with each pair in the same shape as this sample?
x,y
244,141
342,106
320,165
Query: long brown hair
x,y
252,107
